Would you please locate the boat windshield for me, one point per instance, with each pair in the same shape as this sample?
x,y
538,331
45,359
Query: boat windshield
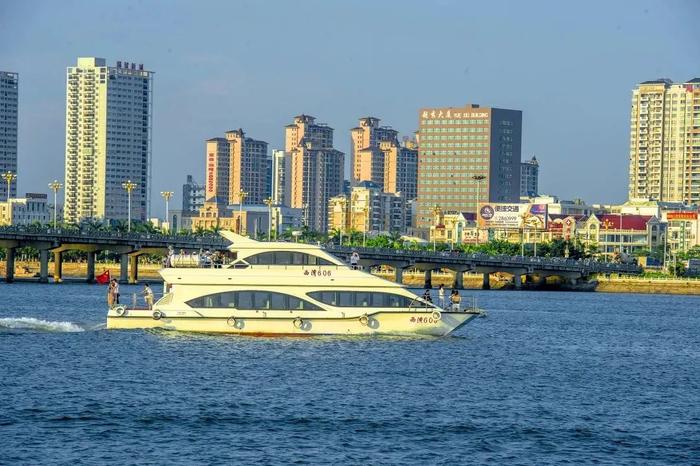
x,y
286,258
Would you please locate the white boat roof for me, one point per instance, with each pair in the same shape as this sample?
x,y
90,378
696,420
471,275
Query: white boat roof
x,y
247,247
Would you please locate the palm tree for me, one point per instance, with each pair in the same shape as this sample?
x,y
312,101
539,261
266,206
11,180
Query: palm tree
x,y
335,234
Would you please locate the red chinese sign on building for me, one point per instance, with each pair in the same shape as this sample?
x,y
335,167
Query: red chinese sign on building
x,y
682,216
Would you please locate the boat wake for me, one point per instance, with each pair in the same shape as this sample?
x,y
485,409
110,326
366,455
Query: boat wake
x,y
30,323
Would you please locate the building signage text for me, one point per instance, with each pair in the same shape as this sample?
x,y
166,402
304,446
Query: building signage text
x,y
512,216
438,113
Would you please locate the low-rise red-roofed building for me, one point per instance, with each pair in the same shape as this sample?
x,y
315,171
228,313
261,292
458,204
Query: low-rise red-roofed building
x,y
616,234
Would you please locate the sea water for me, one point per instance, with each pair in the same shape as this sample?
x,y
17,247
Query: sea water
x,y
547,377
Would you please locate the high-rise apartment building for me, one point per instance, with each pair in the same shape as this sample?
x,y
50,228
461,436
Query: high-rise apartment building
x,y
457,147
377,156
236,164
400,168
665,141
281,176
192,195
317,169
108,139
367,157
9,98
529,177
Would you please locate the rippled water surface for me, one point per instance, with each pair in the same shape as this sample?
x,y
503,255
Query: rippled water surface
x,y
546,378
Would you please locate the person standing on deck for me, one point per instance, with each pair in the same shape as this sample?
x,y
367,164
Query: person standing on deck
x,y
354,259
441,296
110,294
456,300
115,290
427,296
148,296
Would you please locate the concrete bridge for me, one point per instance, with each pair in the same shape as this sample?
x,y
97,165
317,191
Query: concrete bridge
x,y
518,266
129,245
54,241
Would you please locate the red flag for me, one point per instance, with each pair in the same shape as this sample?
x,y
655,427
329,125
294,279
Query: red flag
x,y
103,278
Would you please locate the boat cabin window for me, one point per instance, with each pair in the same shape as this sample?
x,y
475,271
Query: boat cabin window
x,y
253,300
286,258
360,299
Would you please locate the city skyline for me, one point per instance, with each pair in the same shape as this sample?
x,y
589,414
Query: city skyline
x,y
580,136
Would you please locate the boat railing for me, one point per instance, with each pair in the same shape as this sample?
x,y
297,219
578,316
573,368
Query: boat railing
x,y
471,307
136,301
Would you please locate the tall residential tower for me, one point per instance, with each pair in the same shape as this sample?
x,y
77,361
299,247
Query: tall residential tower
x,y
316,171
665,141
108,139
9,84
529,177
467,155
236,164
378,157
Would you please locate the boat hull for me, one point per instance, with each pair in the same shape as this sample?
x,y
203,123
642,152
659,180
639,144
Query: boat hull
x,y
290,324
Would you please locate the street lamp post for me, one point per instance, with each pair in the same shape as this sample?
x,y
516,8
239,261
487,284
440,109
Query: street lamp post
x,y
167,195
268,202
436,211
478,179
55,185
9,177
621,236
241,199
366,222
129,186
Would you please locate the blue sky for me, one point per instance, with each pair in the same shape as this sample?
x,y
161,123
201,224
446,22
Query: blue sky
x,y
222,65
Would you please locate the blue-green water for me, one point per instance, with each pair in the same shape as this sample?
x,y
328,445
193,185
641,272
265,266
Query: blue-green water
x,y
546,378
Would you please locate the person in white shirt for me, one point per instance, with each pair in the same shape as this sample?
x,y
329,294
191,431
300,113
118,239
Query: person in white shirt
x,y
148,296
441,296
354,259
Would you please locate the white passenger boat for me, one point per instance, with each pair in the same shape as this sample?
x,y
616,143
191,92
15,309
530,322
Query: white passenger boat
x,y
278,288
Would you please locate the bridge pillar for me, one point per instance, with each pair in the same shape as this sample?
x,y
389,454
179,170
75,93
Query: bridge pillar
x,y
57,266
459,280
123,268
133,269
517,281
486,284
398,275
90,267
43,266
10,265
428,279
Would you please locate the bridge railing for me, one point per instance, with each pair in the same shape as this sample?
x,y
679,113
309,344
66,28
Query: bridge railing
x,y
588,265
29,230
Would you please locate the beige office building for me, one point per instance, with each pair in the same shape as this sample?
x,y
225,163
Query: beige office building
x,y
457,144
317,169
377,156
108,139
235,164
665,141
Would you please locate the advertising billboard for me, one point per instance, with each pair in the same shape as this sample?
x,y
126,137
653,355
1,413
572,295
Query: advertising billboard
x,y
682,216
512,216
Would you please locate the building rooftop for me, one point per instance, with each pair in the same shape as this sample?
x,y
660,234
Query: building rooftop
x,y
658,81
629,222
